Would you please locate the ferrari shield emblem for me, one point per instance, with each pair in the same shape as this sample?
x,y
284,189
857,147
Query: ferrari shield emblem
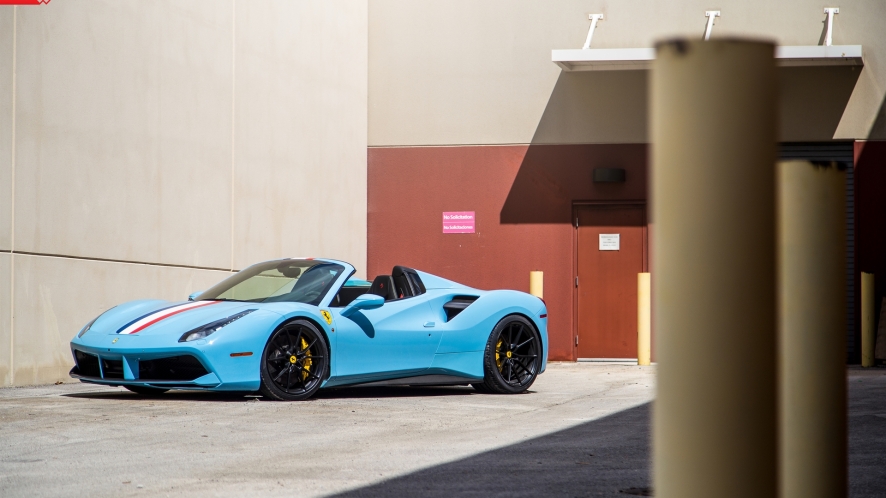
x,y
115,340
326,316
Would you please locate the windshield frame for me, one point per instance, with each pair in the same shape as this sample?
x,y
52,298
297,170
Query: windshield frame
x,y
322,300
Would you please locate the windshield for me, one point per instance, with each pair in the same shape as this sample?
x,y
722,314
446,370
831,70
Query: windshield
x,y
291,280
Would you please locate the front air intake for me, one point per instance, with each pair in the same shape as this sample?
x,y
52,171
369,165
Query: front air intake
x,y
182,368
113,369
87,364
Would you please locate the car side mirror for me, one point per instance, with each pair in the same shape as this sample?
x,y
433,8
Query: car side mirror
x,y
363,302
194,295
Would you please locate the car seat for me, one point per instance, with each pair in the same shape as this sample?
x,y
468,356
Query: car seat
x,y
383,286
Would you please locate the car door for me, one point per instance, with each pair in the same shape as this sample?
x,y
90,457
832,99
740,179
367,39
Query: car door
x,y
398,339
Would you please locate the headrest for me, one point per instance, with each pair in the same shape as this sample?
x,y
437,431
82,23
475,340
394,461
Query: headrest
x,y
383,286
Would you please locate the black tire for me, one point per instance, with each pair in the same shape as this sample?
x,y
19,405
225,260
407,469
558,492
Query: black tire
x,y
294,362
512,358
146,391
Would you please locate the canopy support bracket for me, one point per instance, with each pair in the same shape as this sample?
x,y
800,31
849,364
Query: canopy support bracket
x,y
710,14
829,34
594,18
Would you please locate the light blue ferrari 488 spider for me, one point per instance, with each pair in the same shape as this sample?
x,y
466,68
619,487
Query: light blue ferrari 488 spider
x,y
292,326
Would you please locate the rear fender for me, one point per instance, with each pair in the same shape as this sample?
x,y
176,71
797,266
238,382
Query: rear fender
x,y
470,329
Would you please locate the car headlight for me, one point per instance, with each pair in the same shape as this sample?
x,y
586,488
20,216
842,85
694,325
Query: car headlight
x,y
204,331
86,327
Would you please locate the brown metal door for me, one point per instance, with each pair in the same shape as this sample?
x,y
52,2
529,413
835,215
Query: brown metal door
x,y
607,278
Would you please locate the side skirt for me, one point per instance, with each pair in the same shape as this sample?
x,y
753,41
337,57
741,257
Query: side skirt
x,y
422,380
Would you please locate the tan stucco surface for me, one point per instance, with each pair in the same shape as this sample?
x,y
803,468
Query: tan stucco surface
x,y
189,135
300,136
55,297
5,127
123,149
5,303
464,72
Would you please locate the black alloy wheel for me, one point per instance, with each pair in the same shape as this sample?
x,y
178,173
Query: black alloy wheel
x,y
294,362
146,391
513,357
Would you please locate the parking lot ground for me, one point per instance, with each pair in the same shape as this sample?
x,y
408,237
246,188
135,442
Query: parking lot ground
x,y
867,432
583,430
86,440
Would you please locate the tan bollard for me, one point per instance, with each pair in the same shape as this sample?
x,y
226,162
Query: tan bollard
x,y
713,129
867,319
812,339
644,320
537,283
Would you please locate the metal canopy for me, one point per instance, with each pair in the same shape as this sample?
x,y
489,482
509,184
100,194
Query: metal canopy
x,y
609,59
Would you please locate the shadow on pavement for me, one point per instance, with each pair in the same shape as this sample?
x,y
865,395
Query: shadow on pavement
x,y
867,432
605,457
397,392
168,396
611,457
335,393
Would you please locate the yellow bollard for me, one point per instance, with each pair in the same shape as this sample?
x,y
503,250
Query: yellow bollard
x,y
867,319
812,341
644,320
537,283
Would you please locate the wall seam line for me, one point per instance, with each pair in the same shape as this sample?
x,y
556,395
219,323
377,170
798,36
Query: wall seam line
x,y
455,145
514,144
110,260
12,210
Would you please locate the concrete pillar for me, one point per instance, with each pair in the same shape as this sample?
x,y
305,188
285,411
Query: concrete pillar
x,y
644,323
867,319
537,283
713,129
812,339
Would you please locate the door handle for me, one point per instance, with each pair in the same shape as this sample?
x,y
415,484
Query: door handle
x,y
429,324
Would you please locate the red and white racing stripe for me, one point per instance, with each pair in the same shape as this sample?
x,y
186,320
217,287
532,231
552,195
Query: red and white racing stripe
x,y
146,321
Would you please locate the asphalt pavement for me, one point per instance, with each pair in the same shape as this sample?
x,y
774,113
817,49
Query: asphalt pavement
x,y
583,430
86,440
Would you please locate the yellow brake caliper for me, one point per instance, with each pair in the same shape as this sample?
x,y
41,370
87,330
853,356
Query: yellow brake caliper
x,y
498,359
308,361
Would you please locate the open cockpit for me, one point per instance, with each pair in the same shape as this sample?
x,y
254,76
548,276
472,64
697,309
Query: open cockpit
x,y
402,283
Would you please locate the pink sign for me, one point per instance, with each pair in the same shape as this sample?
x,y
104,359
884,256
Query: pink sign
x,y
458,221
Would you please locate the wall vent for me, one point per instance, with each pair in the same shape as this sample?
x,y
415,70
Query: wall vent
x,y
609,175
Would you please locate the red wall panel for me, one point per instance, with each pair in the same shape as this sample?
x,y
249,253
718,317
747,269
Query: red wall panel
x,y
522,196
870,222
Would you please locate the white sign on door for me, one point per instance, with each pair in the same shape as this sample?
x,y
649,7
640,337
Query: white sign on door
x,y
609,241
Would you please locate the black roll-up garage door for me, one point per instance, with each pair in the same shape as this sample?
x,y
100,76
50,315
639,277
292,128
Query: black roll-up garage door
x,y
841,152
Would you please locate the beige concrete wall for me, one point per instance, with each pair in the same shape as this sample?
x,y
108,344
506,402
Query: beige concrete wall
x,y
159,144
6,40
55,297
123,131
5,317
300,135
465,72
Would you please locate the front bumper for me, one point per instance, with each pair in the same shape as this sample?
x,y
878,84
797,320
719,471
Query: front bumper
x,y
226,361
178,371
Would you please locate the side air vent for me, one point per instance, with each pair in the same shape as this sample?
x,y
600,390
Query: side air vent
x,y
457,305
182,368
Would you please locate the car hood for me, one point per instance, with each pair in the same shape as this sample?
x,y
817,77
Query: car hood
x,y
151,317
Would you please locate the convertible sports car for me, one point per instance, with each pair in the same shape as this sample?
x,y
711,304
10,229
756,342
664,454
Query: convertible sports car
x,y
292,326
